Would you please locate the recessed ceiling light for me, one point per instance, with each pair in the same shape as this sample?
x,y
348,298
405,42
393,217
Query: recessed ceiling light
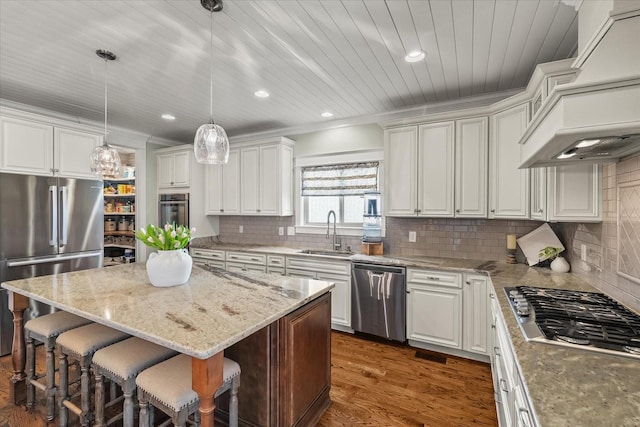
x,y
261,94
415,56
168,117
588,143
327,114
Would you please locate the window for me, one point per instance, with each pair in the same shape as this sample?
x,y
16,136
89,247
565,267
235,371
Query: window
x,y
337,187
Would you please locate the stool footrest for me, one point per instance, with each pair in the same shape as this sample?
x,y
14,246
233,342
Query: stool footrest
x,y
38,385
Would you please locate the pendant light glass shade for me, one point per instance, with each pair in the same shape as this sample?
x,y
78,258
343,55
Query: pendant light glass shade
x,y
211,144
105,160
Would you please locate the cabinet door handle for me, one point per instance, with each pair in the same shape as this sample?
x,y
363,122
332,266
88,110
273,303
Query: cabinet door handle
x,y
496,350
171,183
258,210
493,326
468,282
221,210
539,210
419,210
503,385
457,210
492,296
493,211
524,419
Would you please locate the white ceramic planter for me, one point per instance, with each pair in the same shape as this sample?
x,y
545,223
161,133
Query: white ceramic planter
x,y
169,268
560,265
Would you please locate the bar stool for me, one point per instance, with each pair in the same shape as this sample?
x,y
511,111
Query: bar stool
x,y
80,344
167,386
121,362
46,329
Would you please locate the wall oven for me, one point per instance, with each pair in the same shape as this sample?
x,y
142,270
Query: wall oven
x,y
173,208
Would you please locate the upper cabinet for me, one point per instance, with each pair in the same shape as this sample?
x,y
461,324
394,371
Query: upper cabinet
x,y
570,193
508,185
223,186
472,151
266,179
31,147
401,154
174,169
428,164
257,180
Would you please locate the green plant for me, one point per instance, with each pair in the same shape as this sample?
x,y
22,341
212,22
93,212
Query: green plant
x,y
548,252
165,238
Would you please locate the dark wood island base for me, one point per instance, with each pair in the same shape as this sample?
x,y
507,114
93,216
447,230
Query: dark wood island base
x,y
286,369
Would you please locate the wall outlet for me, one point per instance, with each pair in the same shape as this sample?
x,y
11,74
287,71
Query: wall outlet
x,y
583,252
412,236
291,231
240,229
281,231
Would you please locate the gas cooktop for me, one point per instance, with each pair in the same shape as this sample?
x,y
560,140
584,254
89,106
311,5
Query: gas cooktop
x,y
586,320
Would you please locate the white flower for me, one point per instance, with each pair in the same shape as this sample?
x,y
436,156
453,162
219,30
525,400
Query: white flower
x,y
167,227
176,245
173,234
161,238
150,239
184,235
144,232
193,230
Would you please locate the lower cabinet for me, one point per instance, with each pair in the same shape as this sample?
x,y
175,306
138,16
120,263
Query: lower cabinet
x,y
434,308
208,257
476,314
449,310
512,404
286,369
338,272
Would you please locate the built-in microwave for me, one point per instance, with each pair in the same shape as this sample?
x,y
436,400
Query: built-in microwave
x,y
173,208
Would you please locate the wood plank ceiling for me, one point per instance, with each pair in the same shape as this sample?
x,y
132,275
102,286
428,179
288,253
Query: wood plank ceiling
x,y
343,56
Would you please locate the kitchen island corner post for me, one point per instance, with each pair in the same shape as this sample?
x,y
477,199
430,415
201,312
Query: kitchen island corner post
x,y
18,386
206,379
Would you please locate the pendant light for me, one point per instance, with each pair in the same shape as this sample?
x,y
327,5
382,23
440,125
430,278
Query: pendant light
x,y
211,145
105,160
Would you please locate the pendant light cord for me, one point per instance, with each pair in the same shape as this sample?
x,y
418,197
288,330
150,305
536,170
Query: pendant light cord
x,y
105,99
211,69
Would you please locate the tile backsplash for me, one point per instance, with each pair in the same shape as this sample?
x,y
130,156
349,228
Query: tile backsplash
x,y
601,240
452,238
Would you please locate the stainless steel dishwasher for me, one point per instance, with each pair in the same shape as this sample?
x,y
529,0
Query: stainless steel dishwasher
x,y
378,300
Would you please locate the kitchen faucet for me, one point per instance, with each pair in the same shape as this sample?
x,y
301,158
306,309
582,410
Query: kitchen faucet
x,y
336,244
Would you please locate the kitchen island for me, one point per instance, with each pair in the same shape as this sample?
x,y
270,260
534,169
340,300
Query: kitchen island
x,y
214,311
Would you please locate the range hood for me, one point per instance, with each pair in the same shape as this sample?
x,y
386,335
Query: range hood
x,y
596,118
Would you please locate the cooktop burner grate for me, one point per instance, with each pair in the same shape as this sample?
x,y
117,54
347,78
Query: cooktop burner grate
x,y
580,319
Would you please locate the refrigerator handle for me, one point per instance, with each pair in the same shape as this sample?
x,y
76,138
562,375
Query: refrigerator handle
x,y
53,205
63,213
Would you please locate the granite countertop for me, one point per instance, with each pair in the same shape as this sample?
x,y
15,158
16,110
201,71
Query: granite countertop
x,y
566,387
213,311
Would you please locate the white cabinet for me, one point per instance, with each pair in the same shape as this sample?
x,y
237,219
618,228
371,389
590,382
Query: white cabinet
x,y
435,169
266,178
276,264
222,183
174,169
574,193
243,261
512,404
570,193
434,308
538,194
432,172
31,147
208,257
508,185
401,153
338,272
472,148
476,314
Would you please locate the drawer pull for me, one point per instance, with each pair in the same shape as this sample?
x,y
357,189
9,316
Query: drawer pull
x,y
524,417
433,278
503,385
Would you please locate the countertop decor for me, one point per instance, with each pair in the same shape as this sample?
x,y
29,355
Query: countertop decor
x,y
171,265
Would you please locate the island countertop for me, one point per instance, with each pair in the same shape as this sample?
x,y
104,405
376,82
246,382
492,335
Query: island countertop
x,y
213,311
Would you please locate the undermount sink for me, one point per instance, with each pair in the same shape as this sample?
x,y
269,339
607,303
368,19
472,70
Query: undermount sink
x,y
326,252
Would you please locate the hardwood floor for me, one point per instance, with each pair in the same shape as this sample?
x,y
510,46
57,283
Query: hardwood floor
x,y
375,384
372,384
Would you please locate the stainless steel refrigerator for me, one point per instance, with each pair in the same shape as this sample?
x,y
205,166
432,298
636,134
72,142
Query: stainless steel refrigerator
x,y
47,225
